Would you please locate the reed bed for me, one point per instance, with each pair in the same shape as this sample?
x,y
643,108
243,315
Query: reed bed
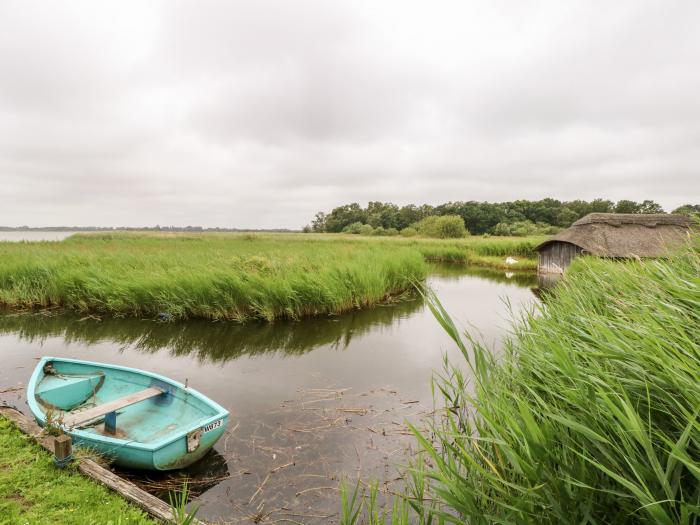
x,y
236,277
590,417
482,251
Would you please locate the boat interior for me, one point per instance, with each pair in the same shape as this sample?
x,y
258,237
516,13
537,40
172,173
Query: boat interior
x,y
117,403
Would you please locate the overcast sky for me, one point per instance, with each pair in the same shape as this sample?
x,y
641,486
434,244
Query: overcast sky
x,y
260,113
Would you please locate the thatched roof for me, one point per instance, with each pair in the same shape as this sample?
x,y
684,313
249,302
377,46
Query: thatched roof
x,y
626,234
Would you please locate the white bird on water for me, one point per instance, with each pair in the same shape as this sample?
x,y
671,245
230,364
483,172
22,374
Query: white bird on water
x,y
510,261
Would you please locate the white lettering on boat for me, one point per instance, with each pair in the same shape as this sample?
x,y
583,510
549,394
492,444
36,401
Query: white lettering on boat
x,y
212,426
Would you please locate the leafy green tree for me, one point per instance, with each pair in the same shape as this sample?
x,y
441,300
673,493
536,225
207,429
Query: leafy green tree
x,y
411,214
355,227
583,208
545,210
600,206
341,216
565,217
626,206
691,210
688,209
442,227
319,223
382,214
649,206
478,217
366,229
524,228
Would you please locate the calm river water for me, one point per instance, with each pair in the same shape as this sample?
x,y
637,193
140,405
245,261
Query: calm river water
x,y
311,401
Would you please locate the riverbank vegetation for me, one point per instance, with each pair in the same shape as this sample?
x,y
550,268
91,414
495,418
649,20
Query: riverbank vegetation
x,y
230,276
33,490
236,277
591,416
433,226
519,218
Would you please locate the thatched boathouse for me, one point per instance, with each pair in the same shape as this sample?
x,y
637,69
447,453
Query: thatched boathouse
x,y
614,235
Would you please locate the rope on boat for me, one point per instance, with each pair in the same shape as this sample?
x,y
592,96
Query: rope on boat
x,y
62,463
50,370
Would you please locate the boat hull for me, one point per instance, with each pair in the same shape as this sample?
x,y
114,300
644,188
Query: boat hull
x,y
170,431
172,456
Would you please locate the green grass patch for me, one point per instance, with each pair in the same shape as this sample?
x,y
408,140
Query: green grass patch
x,y
33,490
229,276
591,416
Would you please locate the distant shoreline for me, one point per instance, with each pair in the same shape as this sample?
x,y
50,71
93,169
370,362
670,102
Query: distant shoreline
x,y
142,228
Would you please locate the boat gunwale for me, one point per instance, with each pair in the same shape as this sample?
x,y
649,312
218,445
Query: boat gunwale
x,y
38,413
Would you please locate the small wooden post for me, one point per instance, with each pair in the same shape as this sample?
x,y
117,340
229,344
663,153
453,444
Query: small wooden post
x,y
62,450
111,423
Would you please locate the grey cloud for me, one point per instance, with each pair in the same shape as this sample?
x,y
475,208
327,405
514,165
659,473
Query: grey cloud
x,y
258,114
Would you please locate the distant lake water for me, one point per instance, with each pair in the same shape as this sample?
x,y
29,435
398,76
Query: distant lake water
x,y
34,235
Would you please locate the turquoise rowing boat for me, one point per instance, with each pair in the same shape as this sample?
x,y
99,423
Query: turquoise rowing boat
x,y
137,419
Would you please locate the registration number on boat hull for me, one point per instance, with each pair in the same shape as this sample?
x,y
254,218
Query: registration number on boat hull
x,y
212,426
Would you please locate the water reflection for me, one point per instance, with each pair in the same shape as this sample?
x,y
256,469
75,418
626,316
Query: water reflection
x,y
547,281
210,341
457,271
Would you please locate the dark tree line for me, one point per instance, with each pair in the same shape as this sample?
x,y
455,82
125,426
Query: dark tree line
x,y
481,217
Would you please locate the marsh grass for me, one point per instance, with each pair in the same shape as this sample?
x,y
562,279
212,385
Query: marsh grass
x,y
481,251
207,276
590,417
222,276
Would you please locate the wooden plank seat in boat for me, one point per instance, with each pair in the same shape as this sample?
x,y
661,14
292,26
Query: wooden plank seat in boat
x,y
81,418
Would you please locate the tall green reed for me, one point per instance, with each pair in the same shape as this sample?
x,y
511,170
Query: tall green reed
x,y
206,276
590,417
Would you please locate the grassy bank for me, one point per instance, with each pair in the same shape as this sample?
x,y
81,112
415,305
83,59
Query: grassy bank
x,y
33,490
228,276
592,416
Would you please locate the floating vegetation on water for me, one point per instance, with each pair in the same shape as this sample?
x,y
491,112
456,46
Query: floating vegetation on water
x,y
298,453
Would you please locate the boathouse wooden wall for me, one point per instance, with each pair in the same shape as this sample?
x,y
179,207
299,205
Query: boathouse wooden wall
x,y
556,256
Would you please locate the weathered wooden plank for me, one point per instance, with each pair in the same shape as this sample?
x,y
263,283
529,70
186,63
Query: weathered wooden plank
x,y
79,419
148,502
142,499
